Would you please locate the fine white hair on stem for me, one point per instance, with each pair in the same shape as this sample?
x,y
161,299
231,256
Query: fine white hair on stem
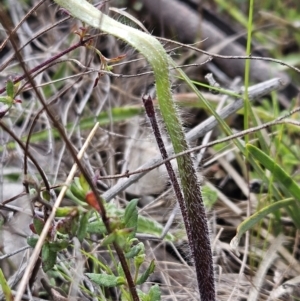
x,y
255,92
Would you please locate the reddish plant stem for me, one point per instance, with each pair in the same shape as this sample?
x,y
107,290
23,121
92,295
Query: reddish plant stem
x,y
49,61
150,111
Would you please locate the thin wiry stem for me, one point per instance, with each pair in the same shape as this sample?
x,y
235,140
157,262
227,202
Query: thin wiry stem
x,y
149,108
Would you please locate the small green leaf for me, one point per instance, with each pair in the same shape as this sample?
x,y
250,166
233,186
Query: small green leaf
x,y
48,257
5,288
150,226
144,224
10,89
58,245
122,237
96,227
6,100
77,190
84,184
38,225
106,280
138,261
109,239
210,196
131,217
134,251
65,211
75,199
82,228
120,270
154,293
46,196
142,295
143,278
31,241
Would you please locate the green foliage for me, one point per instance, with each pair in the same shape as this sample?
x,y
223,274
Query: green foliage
x,y
131,217
76,221
210,197
153,294
134,251
106,280
144,224
82,227
5,288
38,224
277,171
257,217
143,278
48,257
9,99
84,223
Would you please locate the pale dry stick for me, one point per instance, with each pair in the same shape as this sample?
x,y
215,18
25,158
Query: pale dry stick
x,y
255,92
285,288
264,266
158,163
213,246
237,283
175,211
283,251
51,217
278,280
237,178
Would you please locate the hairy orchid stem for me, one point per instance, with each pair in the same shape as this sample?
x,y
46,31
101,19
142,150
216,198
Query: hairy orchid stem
x,y
154,52
150,111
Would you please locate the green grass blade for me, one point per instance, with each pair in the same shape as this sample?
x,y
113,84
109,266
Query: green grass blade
x,y
5,288
256,218
278,173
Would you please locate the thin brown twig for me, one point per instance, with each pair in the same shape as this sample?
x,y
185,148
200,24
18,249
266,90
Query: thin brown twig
x,y
231,57
20,143
43,31
278,121
13,31
47,62
33,124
